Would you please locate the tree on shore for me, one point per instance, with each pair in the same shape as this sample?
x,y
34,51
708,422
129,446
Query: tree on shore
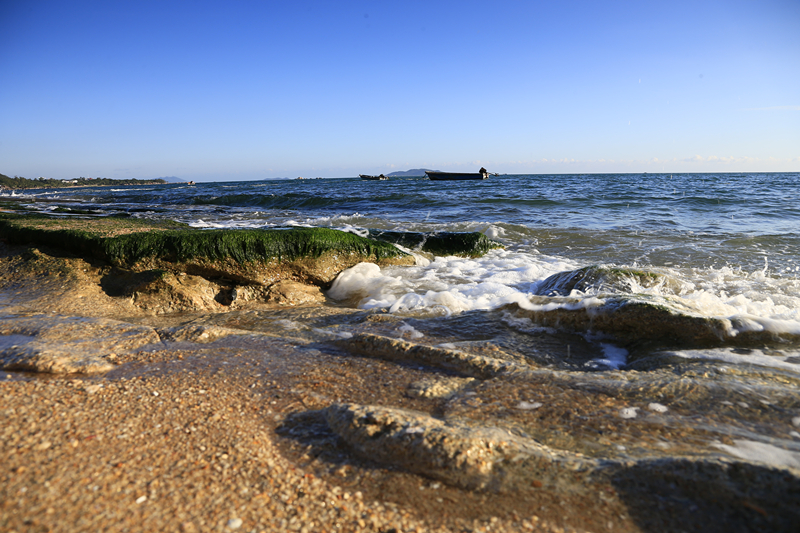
x,y
18,182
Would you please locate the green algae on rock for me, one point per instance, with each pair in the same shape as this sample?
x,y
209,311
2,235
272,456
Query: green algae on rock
x,y
260,257
101,227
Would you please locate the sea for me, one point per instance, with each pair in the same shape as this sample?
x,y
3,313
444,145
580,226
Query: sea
x,y
729,243
718,246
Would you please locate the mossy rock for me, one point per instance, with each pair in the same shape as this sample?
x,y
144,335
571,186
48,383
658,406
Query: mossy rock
x,y
74,211
11,224
464,244
6,205
600,279
308,255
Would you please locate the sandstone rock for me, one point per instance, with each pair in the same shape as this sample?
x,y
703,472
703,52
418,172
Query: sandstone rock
x,y
482,458
288,292
443,387
170,293
58,344
398,350
200,334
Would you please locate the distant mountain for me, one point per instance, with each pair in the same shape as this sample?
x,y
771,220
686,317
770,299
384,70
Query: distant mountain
x,y
409,173
172,179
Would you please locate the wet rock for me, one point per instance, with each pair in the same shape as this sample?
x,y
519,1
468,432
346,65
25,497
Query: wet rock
x,y
288,292
600,279
466,244
444,387
476,458
67,344
662,494
637,318
20,353
249,257
710,495
160,292
199,333
637,321
398,350
169,293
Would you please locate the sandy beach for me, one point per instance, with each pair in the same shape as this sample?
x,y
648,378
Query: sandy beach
x,y
164,409
190,440
395,267
194,432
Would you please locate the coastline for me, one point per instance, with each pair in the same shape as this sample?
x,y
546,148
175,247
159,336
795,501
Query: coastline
x,y
213,416
184,433
69,186
25,183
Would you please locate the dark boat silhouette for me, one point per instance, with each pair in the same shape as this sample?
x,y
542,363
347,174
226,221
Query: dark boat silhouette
x,y
482,174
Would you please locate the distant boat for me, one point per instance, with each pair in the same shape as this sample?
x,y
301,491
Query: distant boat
x,y
482,174
373,178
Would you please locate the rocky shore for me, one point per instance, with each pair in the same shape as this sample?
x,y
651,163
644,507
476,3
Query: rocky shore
x,y
161,378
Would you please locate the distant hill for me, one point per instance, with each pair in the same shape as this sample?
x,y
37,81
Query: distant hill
x,y
409,173
173,179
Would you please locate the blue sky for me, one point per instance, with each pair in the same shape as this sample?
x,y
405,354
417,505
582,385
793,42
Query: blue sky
x,y
251,90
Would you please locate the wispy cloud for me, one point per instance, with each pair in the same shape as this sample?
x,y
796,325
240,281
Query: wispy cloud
x,y
775,108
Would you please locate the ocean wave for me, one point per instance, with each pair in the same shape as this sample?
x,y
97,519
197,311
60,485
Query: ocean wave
x,y
735,303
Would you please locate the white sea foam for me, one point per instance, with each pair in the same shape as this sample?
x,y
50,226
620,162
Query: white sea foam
x,y
10,193
365,286
754,301
657,407
784,360
494,232
333,334
230,224
408,331
761,452
289,324
447,285
615,357
451,285
527,406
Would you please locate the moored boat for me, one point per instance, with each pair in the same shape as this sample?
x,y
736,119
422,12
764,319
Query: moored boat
x,y
482,174
373,178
